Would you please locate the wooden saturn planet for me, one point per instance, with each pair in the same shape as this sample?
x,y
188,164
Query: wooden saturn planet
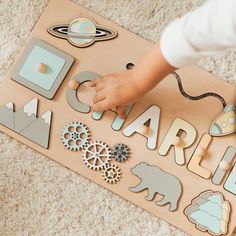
x,y
82,32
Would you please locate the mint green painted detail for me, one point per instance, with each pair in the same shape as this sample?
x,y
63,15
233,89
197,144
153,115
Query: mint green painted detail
x,y
216,199
97,115
117,123
204,219
54,66
82,26
83,29
230,183
229,107
214,209
215,129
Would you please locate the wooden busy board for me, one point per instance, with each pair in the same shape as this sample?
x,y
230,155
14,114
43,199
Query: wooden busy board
x,y
113,55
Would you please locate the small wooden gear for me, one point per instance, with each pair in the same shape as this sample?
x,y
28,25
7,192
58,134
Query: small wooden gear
x,y
111,174
96,155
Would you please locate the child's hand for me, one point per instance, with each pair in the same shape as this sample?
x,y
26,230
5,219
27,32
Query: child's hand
x,y
117,91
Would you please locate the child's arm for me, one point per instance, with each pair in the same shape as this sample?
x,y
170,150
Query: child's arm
x,y
120,89
205,31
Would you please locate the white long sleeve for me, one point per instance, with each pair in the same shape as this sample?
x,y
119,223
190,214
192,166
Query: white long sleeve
x,y
207,30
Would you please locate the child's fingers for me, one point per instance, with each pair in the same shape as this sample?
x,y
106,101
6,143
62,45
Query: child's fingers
x,y
121,111
101,106
93,83
99,86
99,97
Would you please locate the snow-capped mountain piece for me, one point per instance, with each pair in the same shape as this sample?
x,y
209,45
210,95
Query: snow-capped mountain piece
x,y
7,116
47,117
10,105
38,131
26,122
31,107
26,115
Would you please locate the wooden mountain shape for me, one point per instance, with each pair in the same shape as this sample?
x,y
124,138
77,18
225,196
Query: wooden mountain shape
x,y
26,123
26,115
209,212
7,115
39,130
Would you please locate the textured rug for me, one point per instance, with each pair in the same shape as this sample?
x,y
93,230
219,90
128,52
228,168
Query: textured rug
x,y
40,197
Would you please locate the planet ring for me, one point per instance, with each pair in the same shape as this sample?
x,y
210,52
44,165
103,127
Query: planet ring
x,y
62,32
82,38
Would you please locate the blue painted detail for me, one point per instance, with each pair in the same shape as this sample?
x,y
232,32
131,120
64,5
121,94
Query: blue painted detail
x,y
213,208
54,66
216,199
204,219
117,123
230,183
228,108
209,212
82,26
97,115
215,129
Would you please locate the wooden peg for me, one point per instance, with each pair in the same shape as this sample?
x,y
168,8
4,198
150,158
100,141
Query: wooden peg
x,y
222,168
73,84
224,165
41,67
200,151
145,130
177,141
194,164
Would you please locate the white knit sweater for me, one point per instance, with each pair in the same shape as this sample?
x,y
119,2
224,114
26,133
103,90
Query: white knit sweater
x,y
209,29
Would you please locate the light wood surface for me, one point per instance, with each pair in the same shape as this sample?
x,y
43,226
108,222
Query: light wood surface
x,y
113,55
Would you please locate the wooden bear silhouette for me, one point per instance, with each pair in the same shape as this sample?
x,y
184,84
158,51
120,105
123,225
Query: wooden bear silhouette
x,y
157,181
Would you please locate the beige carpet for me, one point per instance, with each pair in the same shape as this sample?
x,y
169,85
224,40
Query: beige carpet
x,y
40,197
